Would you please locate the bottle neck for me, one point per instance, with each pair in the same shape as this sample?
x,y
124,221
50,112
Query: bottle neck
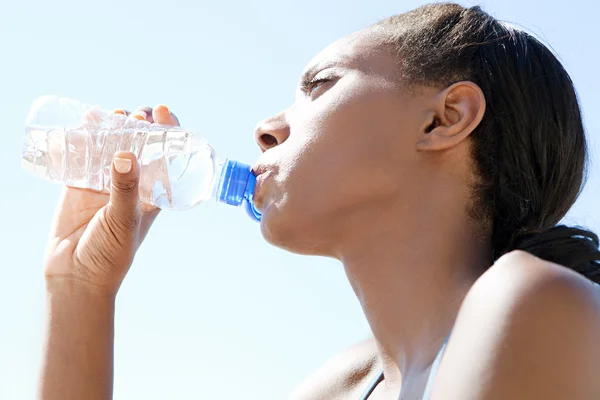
x,y
235,185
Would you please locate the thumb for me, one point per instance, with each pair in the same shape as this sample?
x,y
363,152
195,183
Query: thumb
x,y
123,211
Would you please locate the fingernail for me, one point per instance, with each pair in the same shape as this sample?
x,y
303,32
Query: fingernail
x,y
122,165
119,111
165,107
141,115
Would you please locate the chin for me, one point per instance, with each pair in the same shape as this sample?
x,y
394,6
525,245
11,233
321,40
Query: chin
x,y
300,235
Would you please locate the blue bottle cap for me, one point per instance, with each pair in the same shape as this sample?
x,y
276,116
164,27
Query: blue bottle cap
x,y
236,186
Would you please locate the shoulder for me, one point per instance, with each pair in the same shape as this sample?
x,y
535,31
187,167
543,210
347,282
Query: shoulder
x,y
528,328
342,375
519,281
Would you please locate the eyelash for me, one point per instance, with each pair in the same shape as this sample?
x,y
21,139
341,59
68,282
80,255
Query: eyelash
x,y
309,85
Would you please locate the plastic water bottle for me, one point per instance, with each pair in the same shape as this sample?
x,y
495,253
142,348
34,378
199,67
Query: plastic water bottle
x,y
71,142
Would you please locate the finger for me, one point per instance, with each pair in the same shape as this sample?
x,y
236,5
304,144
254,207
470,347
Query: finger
x,y
147,111
92,118
163,116
139,115
123,211
121,111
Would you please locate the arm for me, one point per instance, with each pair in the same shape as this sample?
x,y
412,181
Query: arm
x,y
78,353
528,329
92,244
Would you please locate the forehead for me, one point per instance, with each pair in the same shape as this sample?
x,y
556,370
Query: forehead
x,y
362,50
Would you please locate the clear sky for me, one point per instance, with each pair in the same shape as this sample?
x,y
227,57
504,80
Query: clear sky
x,y
209,310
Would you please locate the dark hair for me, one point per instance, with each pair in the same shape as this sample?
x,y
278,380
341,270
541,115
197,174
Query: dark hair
x,y
530,150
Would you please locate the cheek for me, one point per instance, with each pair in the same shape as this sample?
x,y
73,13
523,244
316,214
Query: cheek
x,y
345,151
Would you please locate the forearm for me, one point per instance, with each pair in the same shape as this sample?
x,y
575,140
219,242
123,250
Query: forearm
x,y
77,361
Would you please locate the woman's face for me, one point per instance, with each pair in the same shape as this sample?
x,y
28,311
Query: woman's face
x,y
344,152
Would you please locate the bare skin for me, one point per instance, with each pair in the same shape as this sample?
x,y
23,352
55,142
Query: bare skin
x,y
387,172
345,376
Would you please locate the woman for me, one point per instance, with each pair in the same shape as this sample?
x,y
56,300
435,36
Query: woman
x,y
436,151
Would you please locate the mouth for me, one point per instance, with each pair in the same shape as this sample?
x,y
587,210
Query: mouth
x,y
262,174
259,169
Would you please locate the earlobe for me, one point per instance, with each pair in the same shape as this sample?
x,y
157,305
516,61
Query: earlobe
x,y
456,112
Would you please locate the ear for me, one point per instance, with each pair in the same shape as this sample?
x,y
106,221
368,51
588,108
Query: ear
x,y
455,113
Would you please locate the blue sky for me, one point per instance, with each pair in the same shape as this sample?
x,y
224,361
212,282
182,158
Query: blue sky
x,y
207,299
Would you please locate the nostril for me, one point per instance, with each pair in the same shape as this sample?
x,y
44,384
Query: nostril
x,y
268,140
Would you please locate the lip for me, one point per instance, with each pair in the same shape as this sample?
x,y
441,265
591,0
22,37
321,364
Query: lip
x,y
262,172
259,169
261,178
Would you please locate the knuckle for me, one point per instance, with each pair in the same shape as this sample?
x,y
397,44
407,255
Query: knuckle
x,y
144,113
121,226
130,222
126,188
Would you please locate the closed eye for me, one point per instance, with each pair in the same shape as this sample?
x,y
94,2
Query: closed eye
x,y
309,86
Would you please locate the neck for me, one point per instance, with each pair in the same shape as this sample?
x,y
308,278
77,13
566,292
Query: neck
x,y
411,278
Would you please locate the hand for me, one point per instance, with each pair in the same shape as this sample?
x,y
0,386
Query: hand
x,y
95,236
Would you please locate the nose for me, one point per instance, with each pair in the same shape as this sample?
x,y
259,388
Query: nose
x,y
272,131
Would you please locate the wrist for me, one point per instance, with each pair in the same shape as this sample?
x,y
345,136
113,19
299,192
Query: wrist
x,y
67,287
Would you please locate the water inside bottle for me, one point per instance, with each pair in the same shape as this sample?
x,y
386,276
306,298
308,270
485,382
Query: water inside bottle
x,y
177,168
